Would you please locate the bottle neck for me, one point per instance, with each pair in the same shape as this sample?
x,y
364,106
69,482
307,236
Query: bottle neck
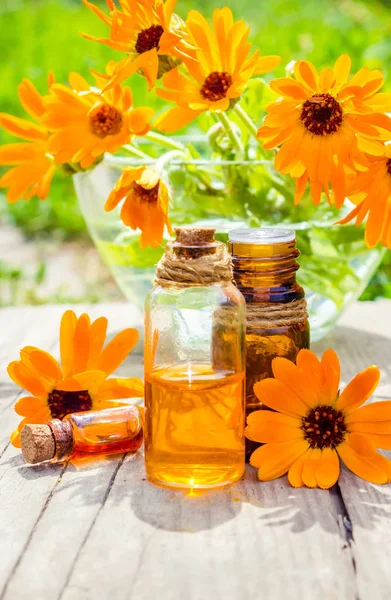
x,y
63,438
266,272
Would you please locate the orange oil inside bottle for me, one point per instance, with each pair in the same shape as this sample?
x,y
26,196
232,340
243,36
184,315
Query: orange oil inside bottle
x,y
107,432
195,426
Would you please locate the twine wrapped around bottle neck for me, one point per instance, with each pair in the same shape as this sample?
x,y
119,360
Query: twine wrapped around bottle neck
x,y
270,315
195,258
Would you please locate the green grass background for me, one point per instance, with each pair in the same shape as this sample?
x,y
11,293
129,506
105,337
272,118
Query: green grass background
x,y
42,35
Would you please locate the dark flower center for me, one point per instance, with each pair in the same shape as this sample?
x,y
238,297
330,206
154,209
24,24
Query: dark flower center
x,y
321,114
388,165
324,427
216,86
106,121
149,38
63,403
150,196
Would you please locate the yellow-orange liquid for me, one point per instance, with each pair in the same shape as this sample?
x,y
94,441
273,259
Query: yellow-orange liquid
x,y
106,432
194,426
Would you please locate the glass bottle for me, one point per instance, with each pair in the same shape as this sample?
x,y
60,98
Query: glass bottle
x,y
194,366
265,265
107,431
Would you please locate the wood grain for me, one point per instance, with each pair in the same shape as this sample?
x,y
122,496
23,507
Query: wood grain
x,y
103,531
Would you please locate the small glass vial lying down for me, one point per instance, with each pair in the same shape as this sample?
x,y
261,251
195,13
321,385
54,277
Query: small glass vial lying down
x,y
106,431
194,366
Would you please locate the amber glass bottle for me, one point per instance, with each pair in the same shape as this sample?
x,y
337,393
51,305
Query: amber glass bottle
x,y
265,265
79,434
194,366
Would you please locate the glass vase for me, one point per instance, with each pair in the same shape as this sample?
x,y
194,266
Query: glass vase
x,y
336,266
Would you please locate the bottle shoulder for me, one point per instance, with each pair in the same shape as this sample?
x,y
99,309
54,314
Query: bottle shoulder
x,y
179,295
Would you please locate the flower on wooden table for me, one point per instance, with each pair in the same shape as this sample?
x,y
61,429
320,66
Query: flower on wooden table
x,y
217,72
314,426
32,166
324,123
371,193
82,381
86,123
145,205
148,31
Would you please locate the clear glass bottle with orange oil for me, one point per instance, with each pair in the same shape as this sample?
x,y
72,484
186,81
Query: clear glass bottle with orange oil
x,y
265,266
194,379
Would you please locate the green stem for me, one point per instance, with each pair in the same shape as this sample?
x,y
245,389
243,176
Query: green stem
x,y
236,142
135,151
164,141
246,120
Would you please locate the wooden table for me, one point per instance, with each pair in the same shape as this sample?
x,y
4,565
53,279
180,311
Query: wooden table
x,y
105,532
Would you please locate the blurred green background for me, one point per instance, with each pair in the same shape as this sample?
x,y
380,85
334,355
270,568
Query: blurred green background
x,y
42,35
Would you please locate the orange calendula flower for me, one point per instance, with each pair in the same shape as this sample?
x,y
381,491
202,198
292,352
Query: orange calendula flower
x,y
315,426
81,383
145,206
147,30
324,124
32,165
86,123
371,192
217,71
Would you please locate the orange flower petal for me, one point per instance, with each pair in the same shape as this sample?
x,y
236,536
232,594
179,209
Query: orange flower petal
x,y
361,465
117,350
374,412
358,390
15,438
67,334
273,460
327,469
265,64
294,378
376,427
98,331
331,373
89,380
278,396
22,129
81,343
30,99
176,118
118,389
28,405
43,362
341,70
27,380
289,87
295,473
309,467
381,440
269,427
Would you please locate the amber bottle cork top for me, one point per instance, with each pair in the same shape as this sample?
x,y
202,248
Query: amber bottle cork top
x,y
38,443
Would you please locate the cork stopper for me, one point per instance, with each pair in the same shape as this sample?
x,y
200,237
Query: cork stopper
x,y
195,242
38,443
195,236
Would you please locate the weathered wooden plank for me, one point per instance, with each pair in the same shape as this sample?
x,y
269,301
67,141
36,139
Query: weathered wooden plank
x,y
250,541
106,532
26,492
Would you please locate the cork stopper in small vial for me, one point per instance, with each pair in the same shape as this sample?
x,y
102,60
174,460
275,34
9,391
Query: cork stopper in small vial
x,y
38,443
262,236
195,236
194,242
